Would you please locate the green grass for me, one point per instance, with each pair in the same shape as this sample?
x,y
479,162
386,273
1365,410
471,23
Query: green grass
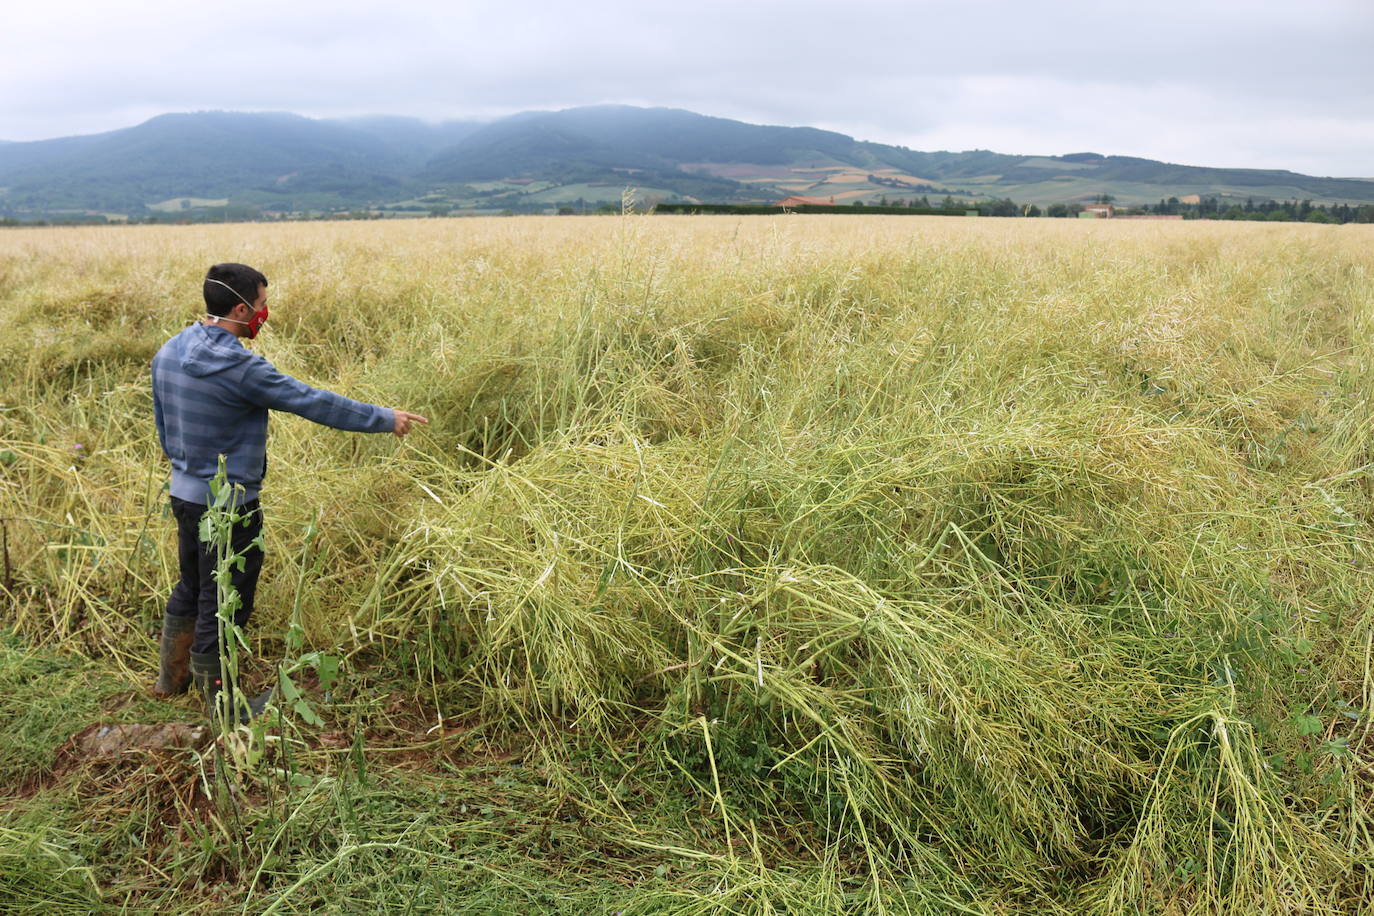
x,y
797,565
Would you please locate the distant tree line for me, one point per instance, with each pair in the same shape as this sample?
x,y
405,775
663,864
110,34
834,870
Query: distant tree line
x,y
510,204
1206,208
1277,210
772,209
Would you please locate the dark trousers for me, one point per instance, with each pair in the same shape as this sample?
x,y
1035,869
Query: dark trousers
x,y
195,595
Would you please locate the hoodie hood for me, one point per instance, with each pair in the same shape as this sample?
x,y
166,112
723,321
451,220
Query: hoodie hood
x,y
208,349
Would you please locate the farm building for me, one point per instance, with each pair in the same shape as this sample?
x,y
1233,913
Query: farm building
x,y
1098,211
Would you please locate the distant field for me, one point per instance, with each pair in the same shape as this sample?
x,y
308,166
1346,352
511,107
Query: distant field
x,y
750,565
186,203
570,193
842,181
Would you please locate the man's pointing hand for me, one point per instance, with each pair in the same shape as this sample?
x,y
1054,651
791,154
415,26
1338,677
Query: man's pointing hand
x,y
403,420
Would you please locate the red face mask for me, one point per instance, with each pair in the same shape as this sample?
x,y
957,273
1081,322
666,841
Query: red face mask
x,y
255,323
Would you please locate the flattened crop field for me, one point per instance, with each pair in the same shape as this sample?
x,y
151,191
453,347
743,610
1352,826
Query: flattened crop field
x,y
749,565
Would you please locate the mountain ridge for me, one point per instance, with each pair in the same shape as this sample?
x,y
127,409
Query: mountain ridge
x,y
283,162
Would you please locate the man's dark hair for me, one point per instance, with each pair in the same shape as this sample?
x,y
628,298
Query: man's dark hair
x,y
240,278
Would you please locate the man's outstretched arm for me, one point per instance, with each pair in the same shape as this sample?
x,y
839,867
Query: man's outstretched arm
x,y
267,387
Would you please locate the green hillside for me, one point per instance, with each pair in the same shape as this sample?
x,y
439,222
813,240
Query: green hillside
x,y
209,154
278,162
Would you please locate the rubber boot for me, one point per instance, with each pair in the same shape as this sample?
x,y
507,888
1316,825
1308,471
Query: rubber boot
x,y
205,670
173,674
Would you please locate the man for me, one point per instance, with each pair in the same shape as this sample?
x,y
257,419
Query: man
x,y
211,396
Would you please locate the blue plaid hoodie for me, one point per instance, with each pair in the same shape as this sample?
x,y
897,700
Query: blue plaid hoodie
x,y
210,398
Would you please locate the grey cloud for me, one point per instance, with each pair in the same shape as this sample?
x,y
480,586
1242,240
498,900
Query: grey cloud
x,y
1076,72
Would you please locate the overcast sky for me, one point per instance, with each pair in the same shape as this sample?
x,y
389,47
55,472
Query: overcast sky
x,y
1252,83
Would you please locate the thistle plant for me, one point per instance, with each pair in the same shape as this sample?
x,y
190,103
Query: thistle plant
x,y
216,529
